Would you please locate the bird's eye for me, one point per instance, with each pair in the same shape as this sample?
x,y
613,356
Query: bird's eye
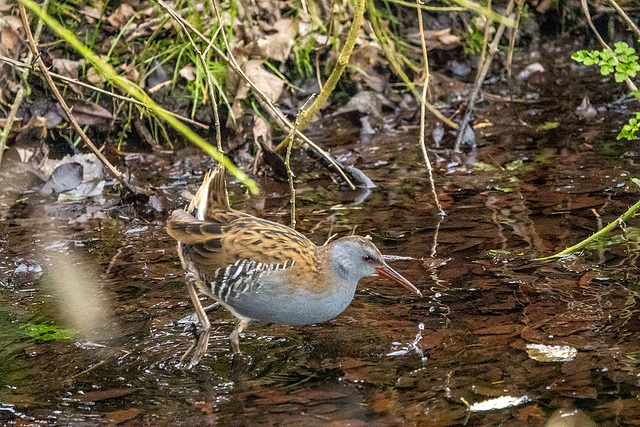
x,y
367,258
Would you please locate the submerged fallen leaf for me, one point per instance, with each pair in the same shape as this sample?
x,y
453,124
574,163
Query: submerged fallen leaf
x,y
99,395
570,417
118,417
551,353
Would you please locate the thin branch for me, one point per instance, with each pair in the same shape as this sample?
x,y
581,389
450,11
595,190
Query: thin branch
x,y
34,49
423,111
17,100
205,67
512,44
397,67
484,69
613,224
585,9
135,91
304,118
626,18
69,80
275,112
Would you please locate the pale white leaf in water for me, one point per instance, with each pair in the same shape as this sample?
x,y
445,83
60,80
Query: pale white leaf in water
x,y
551,353
498,403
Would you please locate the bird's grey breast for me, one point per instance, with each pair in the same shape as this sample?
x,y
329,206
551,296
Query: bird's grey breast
x,y
277,301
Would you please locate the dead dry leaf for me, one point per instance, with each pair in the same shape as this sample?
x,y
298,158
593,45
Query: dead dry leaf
x,y
9,38
121,16
15,126
34,132
68,68
91,13
448,39
129,71
366,56
13,21
93,76
435,38
268,83
188,72
86,113
278,45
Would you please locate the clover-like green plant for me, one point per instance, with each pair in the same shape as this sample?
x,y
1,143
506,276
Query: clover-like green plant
x,y
623,62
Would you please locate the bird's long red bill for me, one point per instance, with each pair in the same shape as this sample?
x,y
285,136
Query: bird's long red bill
x,y
390,273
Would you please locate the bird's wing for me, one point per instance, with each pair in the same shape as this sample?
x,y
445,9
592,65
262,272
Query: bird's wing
x,y
263,245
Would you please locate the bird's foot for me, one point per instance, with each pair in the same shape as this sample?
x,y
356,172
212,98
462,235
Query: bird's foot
x,y
198,348
240,363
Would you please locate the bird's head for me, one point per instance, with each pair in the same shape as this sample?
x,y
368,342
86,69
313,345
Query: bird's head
x,y
355,257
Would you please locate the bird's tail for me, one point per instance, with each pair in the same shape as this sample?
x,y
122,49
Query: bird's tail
x,y
211,197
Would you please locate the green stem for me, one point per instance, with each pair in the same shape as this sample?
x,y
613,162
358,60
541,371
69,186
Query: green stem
x,y
136,92
621,219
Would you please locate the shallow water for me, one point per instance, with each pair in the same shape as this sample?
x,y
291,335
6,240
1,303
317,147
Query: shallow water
x,y
390,358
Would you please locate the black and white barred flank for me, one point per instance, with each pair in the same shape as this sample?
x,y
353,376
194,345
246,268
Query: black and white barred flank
x,y
241,277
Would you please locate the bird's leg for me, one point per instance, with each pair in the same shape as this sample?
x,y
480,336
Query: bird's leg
x,y
193,317
199,347
243,322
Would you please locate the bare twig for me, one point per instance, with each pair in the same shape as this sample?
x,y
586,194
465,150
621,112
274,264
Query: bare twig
x,y
100,90
290,174
34,49
137,92
273,111
626,18
485,38
390,53
205,67
585,9
17,100
423,111
343,60
484,68
512,44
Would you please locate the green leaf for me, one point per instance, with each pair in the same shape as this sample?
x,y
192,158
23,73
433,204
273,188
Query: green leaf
x,y
548,126
48,332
